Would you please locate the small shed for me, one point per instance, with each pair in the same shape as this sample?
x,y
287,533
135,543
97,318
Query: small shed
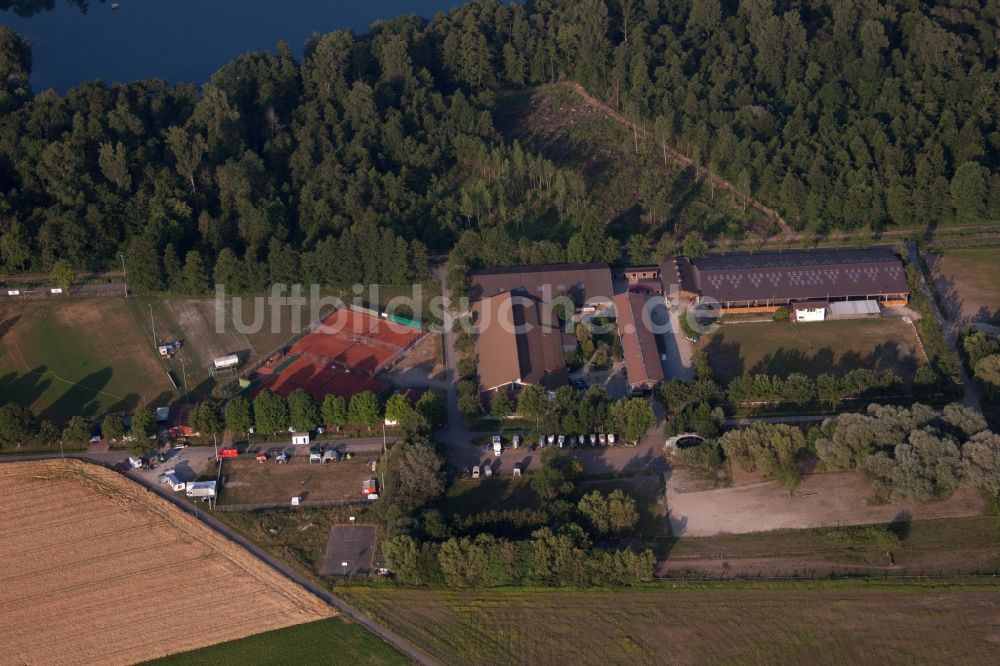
x,y
809,311
300,438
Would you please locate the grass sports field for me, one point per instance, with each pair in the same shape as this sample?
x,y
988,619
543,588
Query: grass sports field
x,y
967,281
100,570
682,623
322,642
83,357
813,348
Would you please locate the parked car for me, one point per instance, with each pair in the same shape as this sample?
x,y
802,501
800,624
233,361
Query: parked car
x,y
551,440
497,445
582,440
541,441
331,456
561,440
475,471
516,441
593,439
281,458
578,384
611,438
602,438
315,457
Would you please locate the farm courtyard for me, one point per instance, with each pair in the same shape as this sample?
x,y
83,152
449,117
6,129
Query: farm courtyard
x,y
100,570
835,347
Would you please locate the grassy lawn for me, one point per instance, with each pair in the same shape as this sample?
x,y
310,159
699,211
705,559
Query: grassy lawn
x,y
821,623
245,481
323,642
967,281
930,547
813,348
85,357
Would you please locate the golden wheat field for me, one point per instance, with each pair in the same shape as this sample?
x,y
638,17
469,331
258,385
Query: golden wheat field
x,y
96,569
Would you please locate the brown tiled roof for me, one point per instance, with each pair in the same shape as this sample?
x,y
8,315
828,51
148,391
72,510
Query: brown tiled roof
x,y
642,358
514,346
581,282
797,275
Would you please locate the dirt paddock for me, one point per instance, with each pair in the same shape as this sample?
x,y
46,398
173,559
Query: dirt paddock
x,y
97,569
821,500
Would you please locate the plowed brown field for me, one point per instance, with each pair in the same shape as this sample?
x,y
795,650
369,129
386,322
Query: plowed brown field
x,y
96,569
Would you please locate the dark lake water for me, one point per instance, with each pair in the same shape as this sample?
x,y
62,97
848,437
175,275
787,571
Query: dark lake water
x,y
179,40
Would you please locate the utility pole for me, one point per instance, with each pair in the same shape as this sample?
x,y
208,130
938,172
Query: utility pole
x,y
124,274
152,325
184,373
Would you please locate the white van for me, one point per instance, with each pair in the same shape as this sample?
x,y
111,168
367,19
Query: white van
x,y
497,445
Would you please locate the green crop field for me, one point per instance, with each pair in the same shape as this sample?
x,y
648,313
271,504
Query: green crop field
x,y
332,641
683,623
813,348
85,357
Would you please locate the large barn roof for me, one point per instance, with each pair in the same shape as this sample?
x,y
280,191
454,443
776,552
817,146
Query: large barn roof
x,y
796,275
581,282
642,358
514,344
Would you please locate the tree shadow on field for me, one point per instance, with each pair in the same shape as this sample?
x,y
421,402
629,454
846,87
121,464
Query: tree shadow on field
x,y
726,358
901,525
7,324
24,389
126,405
81,398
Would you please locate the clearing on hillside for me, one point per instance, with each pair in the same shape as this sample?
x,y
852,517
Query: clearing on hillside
x,y
88,357
618,168
98,569
968,282
696,624
835,347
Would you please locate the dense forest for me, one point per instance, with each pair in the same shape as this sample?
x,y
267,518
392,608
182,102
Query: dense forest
x,y
372,153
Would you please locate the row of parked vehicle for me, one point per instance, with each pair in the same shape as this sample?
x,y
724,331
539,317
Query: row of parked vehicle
x,y
562,441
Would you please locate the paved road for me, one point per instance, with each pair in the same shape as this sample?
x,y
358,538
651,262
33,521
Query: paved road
x,y
401,644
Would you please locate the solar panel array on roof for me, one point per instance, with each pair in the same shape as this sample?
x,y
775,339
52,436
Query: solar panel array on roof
x,y
794,258
800,274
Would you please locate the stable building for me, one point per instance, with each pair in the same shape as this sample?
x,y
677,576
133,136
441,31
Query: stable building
x,y
642,357
765,281
517,343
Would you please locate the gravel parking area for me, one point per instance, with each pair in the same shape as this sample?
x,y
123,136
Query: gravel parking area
x,y
349,550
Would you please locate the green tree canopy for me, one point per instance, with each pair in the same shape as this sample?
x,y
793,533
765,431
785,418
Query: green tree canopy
x,y
270,412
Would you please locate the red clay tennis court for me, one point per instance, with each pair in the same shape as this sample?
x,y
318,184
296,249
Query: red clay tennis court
x,y
342,356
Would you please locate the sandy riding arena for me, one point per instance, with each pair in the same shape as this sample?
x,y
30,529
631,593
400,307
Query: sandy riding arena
x,y
99,570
